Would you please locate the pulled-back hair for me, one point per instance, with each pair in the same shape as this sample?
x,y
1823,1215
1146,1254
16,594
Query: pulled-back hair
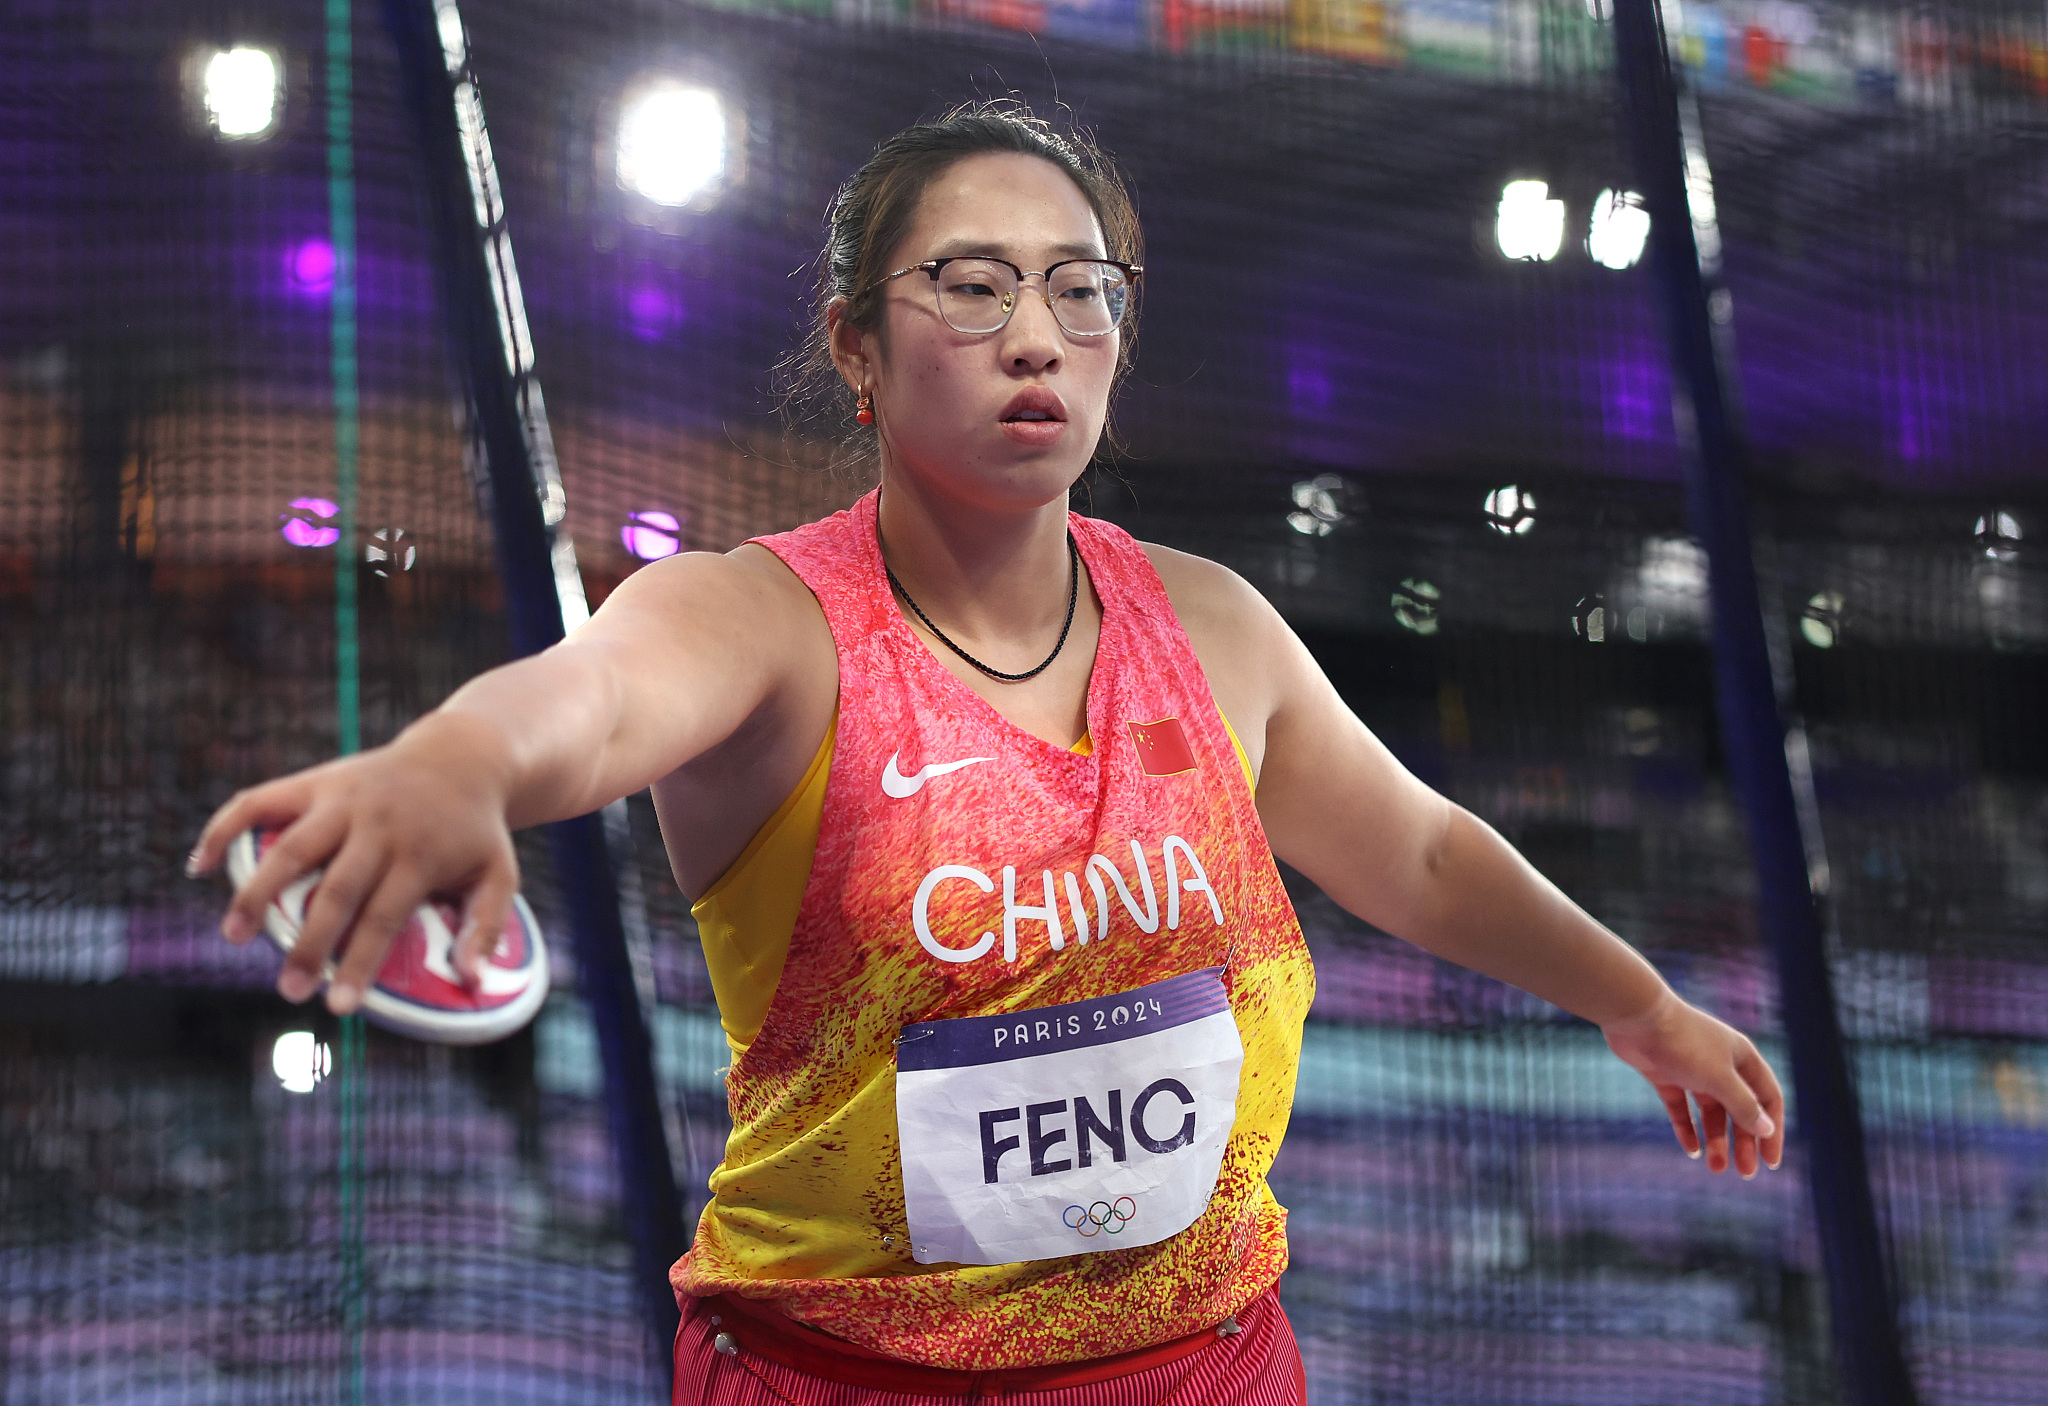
x,y
877,206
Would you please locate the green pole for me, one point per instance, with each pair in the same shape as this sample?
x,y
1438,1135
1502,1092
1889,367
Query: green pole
x,y
341,215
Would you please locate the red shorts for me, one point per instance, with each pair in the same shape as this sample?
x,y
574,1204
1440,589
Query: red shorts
x,y
1260,1366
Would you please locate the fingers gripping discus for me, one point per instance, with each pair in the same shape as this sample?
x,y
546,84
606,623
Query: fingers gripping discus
x,y
418,991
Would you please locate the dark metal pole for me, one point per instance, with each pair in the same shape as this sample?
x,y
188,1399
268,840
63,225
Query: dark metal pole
x,y
543,595
1766,760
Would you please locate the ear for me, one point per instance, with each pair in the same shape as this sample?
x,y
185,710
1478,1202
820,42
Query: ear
x,y
850,347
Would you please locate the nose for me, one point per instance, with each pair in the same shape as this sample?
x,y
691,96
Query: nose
x,y
1033,340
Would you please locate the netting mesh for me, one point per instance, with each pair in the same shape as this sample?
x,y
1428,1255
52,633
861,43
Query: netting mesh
x,y
1340,375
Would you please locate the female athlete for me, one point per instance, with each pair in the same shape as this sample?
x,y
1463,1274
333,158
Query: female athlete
x,y
981,800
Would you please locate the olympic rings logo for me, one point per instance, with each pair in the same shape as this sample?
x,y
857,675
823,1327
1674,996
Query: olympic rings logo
x,y
1102,1218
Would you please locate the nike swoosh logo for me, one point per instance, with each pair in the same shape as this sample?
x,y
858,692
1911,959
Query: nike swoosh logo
x,y
900,787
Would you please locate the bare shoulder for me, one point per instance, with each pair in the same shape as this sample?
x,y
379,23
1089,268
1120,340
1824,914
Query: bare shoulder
x,y
747,589
1239,638
741,618
1214,603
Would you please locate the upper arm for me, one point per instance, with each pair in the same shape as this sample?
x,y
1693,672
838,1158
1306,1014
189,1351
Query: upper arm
x,y
693,649
1336,804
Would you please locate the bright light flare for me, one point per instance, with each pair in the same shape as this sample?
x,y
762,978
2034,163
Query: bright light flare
x,y
300,1061
1529,224
239,88
672,142
1619,229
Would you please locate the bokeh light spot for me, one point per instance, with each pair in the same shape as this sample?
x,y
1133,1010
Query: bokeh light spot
x,y
1528,224
1821,622
309,522
300,1061
1415,605
1619,229
651,534
390,551
311,264
1511,510
1998,535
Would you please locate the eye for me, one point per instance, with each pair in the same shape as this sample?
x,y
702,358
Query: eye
x,y
974,280
1088,284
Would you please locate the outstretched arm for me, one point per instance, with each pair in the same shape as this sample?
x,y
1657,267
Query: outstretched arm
x,y
1338,806
680,657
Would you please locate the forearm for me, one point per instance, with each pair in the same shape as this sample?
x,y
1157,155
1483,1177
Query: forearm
x,y
537,732
1483,906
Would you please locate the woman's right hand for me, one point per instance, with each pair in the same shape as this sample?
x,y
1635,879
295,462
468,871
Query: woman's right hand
x,y
423,816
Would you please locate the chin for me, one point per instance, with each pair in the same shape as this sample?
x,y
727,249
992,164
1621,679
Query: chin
x,y
1033,483
1005,479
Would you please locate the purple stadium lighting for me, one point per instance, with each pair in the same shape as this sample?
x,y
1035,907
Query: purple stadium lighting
x,y
311,266
1309,387
651,534
652,312
1635,395
308,523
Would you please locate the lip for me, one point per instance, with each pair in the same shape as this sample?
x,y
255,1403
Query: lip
x,y
1035,398
1033,434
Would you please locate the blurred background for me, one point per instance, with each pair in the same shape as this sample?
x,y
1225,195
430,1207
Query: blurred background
x,y
1401,366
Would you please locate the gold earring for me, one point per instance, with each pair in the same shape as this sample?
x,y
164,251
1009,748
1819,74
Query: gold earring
x,y
864,410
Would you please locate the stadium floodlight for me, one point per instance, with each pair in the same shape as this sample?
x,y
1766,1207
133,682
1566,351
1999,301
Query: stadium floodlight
x,y
672,142
1529,224
1619,229
239,88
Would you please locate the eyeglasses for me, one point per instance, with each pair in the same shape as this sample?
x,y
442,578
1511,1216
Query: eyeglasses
x,y
977,294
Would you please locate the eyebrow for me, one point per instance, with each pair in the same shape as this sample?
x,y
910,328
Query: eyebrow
x,y
959,247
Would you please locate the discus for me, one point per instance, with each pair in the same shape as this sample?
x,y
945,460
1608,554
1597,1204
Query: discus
x,y
418,992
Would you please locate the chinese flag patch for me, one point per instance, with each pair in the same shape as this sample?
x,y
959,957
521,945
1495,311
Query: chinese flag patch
x,y
1162,747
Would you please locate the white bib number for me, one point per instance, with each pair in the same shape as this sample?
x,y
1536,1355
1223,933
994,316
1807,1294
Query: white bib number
x,y
1097,1125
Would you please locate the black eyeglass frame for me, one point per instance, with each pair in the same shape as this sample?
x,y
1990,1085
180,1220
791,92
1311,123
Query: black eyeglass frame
x,y
1131,272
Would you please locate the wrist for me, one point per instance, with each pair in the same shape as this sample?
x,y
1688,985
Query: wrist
x,y
1662,1004
476,749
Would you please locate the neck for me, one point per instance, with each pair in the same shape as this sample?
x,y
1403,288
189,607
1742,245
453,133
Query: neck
x,y
987,575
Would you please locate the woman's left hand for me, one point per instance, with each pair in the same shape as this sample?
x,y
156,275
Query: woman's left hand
x,y
1682,1050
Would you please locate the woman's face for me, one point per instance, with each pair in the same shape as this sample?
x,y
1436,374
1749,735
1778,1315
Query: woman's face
x,y
1003,420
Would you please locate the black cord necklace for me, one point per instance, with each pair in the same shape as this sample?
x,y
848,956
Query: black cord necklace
x,y
1073,595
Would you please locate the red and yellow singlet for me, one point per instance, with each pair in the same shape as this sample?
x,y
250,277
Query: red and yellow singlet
x,y
959,862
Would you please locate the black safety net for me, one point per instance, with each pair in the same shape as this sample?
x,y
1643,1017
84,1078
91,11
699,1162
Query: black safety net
x,y
1402,368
